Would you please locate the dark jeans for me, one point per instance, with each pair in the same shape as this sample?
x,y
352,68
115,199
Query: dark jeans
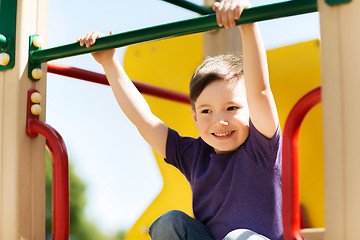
x,y
176,225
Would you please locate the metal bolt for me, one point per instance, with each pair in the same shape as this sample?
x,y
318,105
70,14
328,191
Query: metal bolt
x,y
4,59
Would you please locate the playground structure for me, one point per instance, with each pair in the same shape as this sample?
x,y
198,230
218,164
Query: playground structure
x,y
22,204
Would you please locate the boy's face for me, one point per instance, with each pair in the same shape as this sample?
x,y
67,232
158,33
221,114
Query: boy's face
x,y
221,115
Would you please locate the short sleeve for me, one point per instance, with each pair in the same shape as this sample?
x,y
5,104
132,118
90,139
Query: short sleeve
x,y
267,152
181,152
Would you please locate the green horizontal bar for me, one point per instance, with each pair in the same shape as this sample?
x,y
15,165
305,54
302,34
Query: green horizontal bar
x,y
195,25
336,2
191,6
3,41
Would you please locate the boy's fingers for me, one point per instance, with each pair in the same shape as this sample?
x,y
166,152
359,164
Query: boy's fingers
x,y
85,39
235,16
92,38
225,19
237,13
218,9
89,39
230,19
228,11
218,19
225,14
215,6
81,40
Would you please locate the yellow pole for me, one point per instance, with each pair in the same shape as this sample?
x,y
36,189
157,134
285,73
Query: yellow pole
x,y
22,159
340,59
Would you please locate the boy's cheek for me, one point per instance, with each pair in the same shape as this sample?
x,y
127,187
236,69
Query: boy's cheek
x,y
242,116
201,125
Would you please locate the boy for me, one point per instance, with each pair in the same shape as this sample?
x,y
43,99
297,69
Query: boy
x,y
234,168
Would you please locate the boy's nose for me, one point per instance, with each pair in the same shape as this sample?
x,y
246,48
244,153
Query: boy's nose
x,y
221,121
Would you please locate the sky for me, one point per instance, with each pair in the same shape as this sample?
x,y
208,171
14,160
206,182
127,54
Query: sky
x,y
103,146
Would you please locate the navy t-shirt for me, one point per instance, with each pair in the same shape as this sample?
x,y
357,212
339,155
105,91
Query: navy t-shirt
x,y
235,190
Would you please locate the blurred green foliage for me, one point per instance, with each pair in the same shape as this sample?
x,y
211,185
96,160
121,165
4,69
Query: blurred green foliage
x,y
80,227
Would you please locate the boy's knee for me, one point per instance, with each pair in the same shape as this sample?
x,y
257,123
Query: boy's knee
x,y
173,215
168,224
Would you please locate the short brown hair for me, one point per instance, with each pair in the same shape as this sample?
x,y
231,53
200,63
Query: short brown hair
x,y
223,67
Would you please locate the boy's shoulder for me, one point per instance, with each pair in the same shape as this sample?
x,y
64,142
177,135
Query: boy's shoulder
x,y
184,141
264,151
258,138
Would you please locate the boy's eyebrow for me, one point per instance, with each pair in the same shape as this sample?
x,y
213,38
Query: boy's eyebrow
x,y
227,103
236,103
231,102
203,106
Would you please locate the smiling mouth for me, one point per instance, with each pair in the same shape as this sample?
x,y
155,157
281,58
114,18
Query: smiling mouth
x,y
223,134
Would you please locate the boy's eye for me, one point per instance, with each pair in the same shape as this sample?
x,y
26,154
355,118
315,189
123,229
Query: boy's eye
x,y
205,111
232,108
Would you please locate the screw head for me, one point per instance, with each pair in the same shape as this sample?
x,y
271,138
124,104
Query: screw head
x,y
4,59
35,97
35,109
36,73
38,41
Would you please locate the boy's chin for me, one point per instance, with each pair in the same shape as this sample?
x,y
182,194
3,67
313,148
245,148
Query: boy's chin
x,y
225,150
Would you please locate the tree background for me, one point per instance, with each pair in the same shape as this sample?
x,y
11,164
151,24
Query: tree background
x,y
80,227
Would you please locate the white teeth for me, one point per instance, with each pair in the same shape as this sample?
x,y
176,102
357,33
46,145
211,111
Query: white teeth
x,y
222,134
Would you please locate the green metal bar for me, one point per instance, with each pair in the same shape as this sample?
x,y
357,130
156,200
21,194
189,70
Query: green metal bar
x,y
336,2
3,41
191,6
195,25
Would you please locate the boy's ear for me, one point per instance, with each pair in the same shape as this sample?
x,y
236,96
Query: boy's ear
x,y
193,113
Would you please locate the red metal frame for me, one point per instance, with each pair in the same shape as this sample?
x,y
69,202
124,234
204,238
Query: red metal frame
x,y
69,71
60,183
290,166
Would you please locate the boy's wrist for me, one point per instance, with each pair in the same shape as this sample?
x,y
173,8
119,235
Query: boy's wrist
x,y
246,27
109,61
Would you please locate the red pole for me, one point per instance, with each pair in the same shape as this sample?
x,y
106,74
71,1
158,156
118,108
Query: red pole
x,y
60,182
69,71
290,167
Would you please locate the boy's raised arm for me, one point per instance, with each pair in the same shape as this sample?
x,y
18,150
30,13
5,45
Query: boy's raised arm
x,y
262,108
133,104
260,99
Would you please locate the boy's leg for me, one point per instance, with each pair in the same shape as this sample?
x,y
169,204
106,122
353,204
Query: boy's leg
x,y
176,225
244,234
